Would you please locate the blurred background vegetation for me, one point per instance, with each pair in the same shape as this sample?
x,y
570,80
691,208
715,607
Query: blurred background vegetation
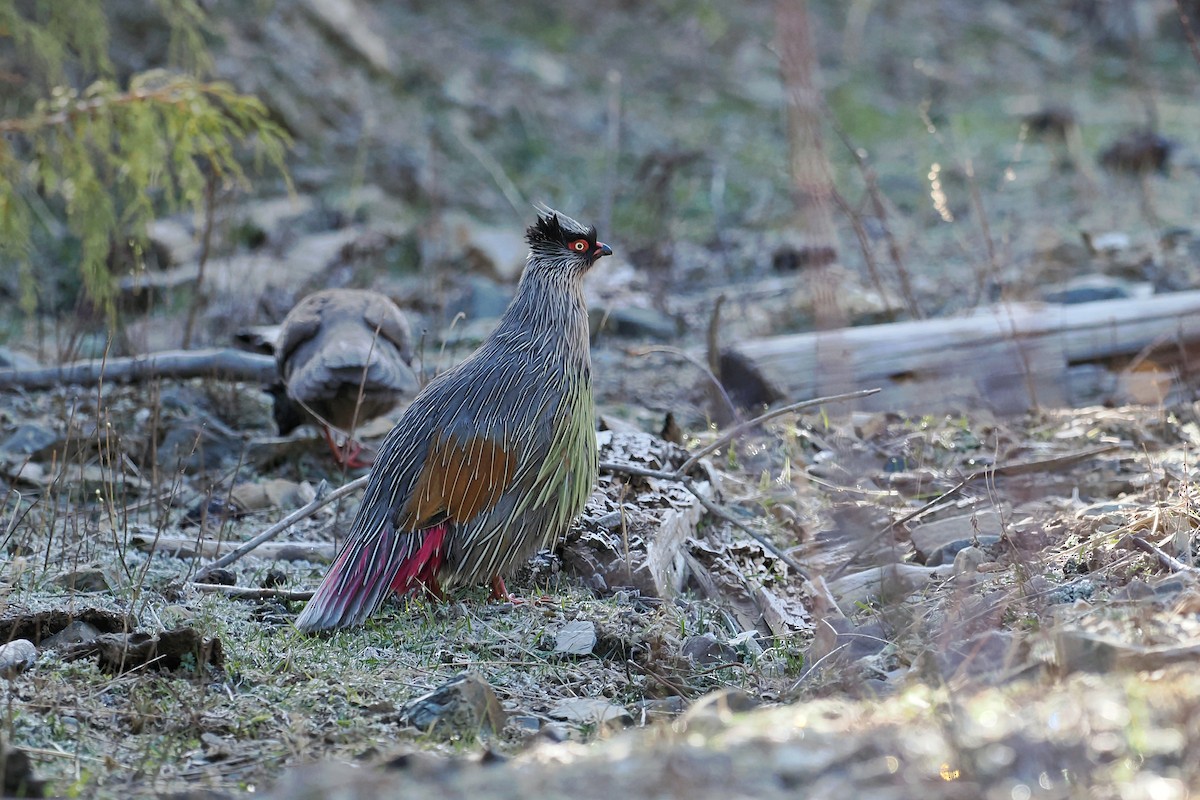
x,y
964,145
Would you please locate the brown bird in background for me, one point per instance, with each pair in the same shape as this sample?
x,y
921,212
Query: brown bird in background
x,y
343,355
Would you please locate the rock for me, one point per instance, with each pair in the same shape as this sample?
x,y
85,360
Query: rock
x,y
946,553
576,638
987,653
495,251
16,657
1090,288
176,238
591,711
1110,242
659,709
86,579
271,493
459,708
930,536
28,439
77,632
526,723
705,650
967,561
356,28
890,582
197,445
481,298
632,322
838,641
1134,591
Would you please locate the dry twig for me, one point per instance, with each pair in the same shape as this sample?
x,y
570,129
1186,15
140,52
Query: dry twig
x,y
324,497
230,364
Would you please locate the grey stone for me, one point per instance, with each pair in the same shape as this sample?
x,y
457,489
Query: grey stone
x,y
463,706
197,445
632,322
930,536
706,650
526,723
12,359
967,560
596,711
86,579
482,298
576,638
16,657
77,632
28,439
947,553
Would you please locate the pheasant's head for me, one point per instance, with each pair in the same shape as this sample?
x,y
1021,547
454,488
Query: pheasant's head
x,y
559,242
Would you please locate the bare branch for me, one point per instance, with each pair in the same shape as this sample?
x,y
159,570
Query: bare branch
x,y
229,364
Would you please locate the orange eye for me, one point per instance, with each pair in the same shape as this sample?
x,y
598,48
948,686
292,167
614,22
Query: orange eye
x,y
579,245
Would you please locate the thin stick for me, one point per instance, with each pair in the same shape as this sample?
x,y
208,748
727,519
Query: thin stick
x,y
720,511
700,365
1165,559
709,505
1018,468
246,593
733,432
324,497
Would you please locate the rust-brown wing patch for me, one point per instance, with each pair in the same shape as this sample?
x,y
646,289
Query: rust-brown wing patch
x,y
458,481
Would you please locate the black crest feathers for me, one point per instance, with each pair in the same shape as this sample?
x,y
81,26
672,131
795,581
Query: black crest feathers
x,y
554,228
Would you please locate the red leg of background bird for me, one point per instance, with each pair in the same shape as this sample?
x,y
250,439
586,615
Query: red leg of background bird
x,y
347,455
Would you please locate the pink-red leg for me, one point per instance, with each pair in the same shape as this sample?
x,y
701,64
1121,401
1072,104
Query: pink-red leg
x,y
347,456
500,593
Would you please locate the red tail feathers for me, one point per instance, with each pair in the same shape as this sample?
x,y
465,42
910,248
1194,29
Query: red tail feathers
x,y
421,568
364,571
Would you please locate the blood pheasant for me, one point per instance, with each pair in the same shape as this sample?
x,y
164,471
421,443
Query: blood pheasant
x,y
343,355
493,459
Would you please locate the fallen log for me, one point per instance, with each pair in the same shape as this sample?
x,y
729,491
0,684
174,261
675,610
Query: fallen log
x,y
231,365
1009,358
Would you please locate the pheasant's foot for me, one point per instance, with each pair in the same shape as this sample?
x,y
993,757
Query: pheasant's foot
x,y
501,594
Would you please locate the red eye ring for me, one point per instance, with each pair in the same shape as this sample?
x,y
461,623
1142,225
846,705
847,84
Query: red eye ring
x,y
579,245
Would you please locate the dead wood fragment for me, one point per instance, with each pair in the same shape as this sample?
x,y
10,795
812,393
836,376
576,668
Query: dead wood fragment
x,y
1009,358
121,652
17,623
227,364
191,547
